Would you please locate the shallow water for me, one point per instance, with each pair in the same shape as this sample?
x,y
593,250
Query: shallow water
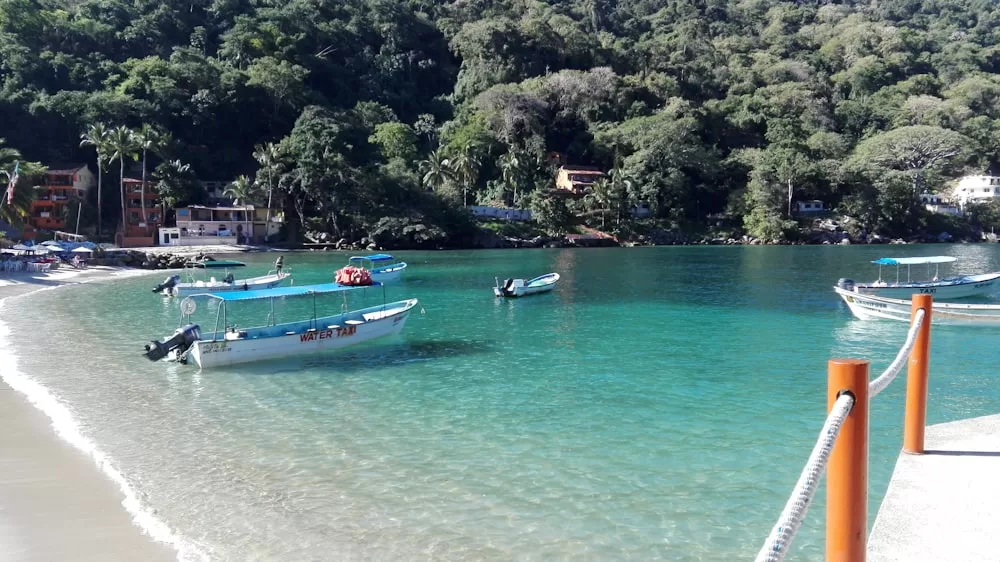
x,y
658,405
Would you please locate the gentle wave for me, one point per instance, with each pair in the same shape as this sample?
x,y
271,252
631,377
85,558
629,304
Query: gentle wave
x,y
67,428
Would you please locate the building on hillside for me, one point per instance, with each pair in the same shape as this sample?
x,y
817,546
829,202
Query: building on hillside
x,y
490,212
577,180
61,183
936,204
140,230
199,225
976,189
812,206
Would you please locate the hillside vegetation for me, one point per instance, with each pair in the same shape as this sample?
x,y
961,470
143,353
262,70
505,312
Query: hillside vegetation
x,y
365,116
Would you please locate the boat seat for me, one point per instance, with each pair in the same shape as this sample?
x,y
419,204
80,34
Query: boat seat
x,y
353,322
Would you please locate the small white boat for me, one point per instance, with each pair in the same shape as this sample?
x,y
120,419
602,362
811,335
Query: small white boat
x,y
230,345
942,289
174,288
520,287
869,307
383,267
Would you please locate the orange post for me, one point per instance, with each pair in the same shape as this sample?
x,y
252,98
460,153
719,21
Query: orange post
x,y
916,379
847,472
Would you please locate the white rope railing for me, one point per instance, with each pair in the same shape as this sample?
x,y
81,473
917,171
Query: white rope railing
x,y
883,380
776,546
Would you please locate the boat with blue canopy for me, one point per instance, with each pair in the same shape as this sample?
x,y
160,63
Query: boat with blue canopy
x,y
383,267
228,344
948,288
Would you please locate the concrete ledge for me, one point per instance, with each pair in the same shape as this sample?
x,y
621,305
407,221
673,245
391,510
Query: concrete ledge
x,y
944,505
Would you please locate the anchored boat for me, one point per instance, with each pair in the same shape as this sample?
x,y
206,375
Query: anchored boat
x,y
383,267
513,288
942,289
172,286
231,345
869,307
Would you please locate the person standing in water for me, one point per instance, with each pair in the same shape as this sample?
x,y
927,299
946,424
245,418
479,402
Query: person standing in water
x,y
279,263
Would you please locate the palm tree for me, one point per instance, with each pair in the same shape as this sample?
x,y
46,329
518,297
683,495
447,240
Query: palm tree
x,y
621,191
121,143
242,190
147,139
600,196
97,136
267,156
466,167
436,170
511,172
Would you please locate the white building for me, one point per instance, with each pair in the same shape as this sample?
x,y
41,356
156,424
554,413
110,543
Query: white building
x,y
936,204
814,206
199,225
976,189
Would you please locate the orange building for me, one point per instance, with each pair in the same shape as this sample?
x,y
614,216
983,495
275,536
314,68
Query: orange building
x,y
139,232
61,183
577,180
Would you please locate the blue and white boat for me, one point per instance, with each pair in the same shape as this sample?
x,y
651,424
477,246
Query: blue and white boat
x,y
383,267
513,288
230,345
949,288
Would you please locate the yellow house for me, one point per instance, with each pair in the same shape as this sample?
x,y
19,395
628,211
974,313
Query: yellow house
x,y
577,179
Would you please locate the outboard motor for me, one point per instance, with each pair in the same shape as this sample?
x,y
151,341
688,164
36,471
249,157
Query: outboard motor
x,y
168,283
182,339
229,278
845,284
507,284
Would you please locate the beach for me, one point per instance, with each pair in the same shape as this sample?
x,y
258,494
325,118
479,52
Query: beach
x,y
56,502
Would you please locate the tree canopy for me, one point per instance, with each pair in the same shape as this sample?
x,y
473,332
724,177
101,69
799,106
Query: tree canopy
x,y
702,106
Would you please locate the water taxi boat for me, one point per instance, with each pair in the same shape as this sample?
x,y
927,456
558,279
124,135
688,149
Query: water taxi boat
x,y
951,288
513,288
173,287
870,307
383,267
231,345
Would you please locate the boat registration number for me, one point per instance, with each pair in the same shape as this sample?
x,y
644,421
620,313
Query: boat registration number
x,y
327,334
215,347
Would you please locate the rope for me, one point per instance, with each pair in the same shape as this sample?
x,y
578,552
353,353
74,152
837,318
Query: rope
x,y
883,380
776,546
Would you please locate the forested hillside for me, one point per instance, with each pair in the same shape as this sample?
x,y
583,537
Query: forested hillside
x,y
387,115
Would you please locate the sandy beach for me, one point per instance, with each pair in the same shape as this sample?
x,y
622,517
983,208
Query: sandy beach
x,y
55,501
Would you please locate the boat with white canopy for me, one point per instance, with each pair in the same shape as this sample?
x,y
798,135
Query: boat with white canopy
x,y
948,288
869,307
228,344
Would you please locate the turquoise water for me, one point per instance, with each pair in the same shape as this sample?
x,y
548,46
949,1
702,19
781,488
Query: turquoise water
x,y
658,405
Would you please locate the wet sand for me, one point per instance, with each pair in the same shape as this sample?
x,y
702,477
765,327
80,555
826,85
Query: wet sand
x,y
55,503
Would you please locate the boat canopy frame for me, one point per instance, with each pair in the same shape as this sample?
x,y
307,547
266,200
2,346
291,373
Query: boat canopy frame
x,y
275,293
929,260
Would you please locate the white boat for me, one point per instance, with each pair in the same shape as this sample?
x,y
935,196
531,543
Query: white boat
x,y
230,345
869,307
173,287
383,267
951,288
521,288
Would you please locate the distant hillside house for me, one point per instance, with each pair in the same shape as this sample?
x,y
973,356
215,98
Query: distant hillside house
x,y
814,206
62,182
139,232
936,204
577,180
976,189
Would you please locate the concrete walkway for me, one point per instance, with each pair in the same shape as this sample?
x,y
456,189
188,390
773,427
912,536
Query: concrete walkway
x,y
944,505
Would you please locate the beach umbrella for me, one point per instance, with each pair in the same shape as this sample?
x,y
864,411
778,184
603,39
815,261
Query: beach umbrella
x,y
22,247
55,248
82,250
50,243
89,244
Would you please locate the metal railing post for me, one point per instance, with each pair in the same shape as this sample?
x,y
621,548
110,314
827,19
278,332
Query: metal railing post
x,y
847,472
916,379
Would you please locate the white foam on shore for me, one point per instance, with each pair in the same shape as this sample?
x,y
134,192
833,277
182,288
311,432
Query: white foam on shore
x,y
67,428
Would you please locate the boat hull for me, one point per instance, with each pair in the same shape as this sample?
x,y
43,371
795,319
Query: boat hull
x,y
325,334
542,284
968,286
250,284
868,307
389,273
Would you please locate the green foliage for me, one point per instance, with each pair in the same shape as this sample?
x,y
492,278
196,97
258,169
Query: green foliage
x,y
705,106
551,214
